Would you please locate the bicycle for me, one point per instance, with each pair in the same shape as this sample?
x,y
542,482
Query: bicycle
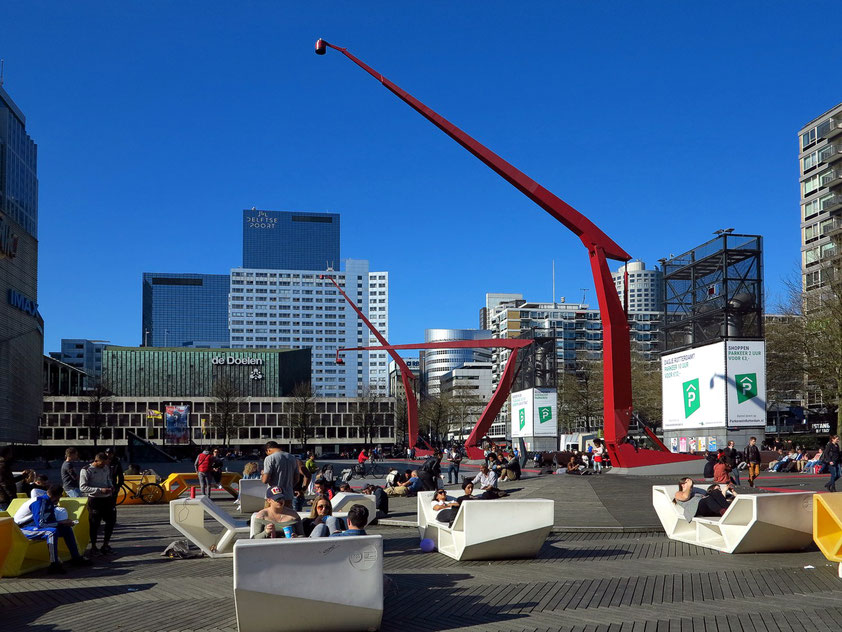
x,y
372,470
149,493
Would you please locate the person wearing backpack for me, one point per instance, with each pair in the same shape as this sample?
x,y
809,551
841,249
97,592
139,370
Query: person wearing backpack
x,y
203,465
430,471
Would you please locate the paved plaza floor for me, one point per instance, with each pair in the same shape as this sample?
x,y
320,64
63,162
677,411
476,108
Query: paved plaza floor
x,y
606,567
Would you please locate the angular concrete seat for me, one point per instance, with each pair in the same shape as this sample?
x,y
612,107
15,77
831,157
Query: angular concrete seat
x,y
304,584
189,516
502,529
252,495
753,523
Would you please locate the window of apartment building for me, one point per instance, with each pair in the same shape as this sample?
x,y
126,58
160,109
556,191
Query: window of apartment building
x,y
809,161
809,186
808,138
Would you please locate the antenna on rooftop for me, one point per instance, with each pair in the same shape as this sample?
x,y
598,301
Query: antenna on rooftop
x,y
584,291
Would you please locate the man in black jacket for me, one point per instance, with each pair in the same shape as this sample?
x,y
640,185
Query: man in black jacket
x,y
731,459
430,471
752,454
830,455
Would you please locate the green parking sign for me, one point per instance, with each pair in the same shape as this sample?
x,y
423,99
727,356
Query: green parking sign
x,y
521,415
746,386
692,397
545,414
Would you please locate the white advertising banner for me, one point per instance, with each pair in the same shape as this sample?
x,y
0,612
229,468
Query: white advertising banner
x,y
534,413
746,369
694,388
522,413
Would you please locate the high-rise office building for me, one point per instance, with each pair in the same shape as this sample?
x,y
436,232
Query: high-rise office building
x,y
185,310
296,308
290,240
492,301
21,325
820,150
436,362
645,292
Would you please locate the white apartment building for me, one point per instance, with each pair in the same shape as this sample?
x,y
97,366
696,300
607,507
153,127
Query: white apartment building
x,y
645,291
297,309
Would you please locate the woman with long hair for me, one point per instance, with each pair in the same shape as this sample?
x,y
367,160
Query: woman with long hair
x,y
321,521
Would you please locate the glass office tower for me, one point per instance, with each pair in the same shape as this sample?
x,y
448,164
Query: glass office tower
x,y
185,310
290,240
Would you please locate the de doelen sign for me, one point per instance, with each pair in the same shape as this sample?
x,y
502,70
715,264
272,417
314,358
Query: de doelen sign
x,y
221,360
718,385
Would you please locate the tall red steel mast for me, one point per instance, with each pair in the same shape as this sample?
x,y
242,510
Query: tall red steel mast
x,y
617,395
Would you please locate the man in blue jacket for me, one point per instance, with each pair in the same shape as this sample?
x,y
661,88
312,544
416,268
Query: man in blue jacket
x,y
45,526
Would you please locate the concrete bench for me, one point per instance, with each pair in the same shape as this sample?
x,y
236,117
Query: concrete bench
x,y
188,516
281,584
252,495
753,523
24,555
489,529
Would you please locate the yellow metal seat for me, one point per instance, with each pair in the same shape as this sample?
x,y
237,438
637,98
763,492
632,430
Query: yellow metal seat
x,y
827,525
24,555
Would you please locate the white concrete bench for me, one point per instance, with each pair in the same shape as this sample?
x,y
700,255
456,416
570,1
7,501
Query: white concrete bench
x,y
282,584
252,495
753,523
188,516
489,529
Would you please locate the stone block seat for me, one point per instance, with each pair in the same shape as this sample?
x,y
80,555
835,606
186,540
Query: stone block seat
x,y
304,584
753,523
500,529
252,495
189,516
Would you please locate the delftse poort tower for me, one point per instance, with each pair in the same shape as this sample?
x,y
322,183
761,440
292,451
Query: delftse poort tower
x,y
21,325
290,240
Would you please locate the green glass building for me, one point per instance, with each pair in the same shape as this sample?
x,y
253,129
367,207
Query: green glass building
x,y
187,372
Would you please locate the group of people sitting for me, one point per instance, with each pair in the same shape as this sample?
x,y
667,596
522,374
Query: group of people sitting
x,y
713,503
279,520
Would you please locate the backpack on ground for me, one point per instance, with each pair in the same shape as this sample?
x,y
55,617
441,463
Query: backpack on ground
x,y
179,550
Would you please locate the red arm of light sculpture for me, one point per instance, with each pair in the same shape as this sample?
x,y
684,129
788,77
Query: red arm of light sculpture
x,y
617,405
498,398
407,376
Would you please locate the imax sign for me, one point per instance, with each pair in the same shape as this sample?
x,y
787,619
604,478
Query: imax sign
x,y
23,303
219,360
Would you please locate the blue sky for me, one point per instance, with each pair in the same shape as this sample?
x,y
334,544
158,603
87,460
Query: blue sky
x,y
158,122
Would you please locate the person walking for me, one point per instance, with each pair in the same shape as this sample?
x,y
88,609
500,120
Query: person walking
x,y
455,461
70,473
95,483
752,455
731,454
280,469
830,455
203,465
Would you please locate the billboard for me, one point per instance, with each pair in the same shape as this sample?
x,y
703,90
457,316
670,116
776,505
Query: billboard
x,y
176,427
534,413
716,386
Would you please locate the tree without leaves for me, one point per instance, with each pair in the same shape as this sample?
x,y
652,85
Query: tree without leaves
x,y
303,418
580,397
367,416
98,395
225,416
434,417
646,390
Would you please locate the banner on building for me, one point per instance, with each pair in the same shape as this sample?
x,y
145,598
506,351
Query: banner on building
x,y
176,429
535,413
154,414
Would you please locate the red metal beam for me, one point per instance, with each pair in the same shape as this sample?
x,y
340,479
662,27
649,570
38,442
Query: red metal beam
x,y
407,376
498,398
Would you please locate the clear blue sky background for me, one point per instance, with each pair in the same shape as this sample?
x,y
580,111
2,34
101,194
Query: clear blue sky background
x,y
158,122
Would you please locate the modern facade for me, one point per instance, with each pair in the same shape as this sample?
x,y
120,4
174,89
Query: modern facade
x,y
21,325
645,291
185,310
492,302
180,372
468,388
437,362
271,308
396,383
83,354
61,378
290,240
820,169
336,422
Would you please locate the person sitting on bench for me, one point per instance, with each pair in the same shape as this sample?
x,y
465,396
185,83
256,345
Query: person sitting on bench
x,y
714,504
277,520
487,481
407,488
45,526
357,519
444,506
321,522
